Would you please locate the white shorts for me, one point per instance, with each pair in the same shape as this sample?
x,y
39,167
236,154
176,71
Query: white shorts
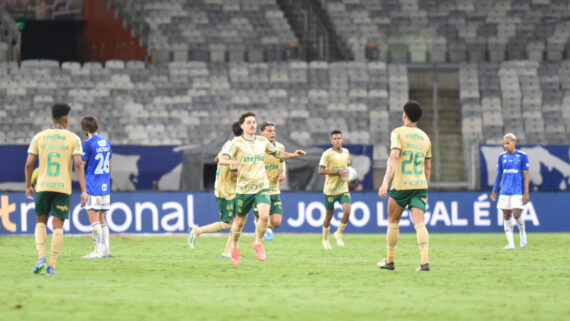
x,y
508,202
98,202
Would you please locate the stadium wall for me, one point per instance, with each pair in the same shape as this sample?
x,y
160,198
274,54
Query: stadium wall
x,y
171,213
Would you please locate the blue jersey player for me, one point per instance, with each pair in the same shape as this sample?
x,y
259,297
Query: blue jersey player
x,y
97,156
512,177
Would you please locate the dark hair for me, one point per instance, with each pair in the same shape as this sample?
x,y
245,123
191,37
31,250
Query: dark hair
x,y
265,124
245,115
60,110
237,129
413,110
89,124
336,131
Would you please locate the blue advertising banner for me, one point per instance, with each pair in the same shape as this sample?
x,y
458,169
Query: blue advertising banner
x,y
361,161
134,167
164,213
549,166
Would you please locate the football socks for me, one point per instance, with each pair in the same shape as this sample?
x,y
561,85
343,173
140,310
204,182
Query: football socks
x,y
41,237
423,242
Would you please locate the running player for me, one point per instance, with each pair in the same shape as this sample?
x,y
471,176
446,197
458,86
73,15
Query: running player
x,y
409,169
97,162
225,192
275,170
512,177
56,149
333,162
247,153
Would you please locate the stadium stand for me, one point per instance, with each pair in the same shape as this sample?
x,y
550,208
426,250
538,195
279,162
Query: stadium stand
x,y
184,102
210,30
453,30
516,96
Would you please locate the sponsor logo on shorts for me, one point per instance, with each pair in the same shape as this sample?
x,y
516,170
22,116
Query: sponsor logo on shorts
x,y
62,207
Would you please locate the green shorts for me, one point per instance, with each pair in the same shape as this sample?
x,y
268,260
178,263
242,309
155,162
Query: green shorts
x,y
411,198
226,209
276,208
341,198
52,202
245,202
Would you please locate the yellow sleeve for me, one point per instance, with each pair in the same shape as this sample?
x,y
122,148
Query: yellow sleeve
x,y
395,140
225,149
230,151
78,149
324,160
33,149
428,154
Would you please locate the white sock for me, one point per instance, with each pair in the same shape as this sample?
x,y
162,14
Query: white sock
x,y
509,232
522,230
97,235
105,237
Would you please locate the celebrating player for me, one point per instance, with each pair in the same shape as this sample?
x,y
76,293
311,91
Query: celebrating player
x,y
275,170
56,149
512,177
333,162
225,192
409,166
97,163
247,153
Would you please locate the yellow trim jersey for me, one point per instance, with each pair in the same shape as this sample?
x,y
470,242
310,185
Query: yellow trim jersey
x,y
273,166
55,149
331,159
225,185
251,155
415,147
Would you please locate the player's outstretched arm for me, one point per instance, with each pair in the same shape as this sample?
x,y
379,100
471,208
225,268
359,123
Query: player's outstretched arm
x,y
79,171
284,155
29,168
389,175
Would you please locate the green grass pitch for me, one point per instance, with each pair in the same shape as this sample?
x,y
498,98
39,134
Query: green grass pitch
x,y
159,278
